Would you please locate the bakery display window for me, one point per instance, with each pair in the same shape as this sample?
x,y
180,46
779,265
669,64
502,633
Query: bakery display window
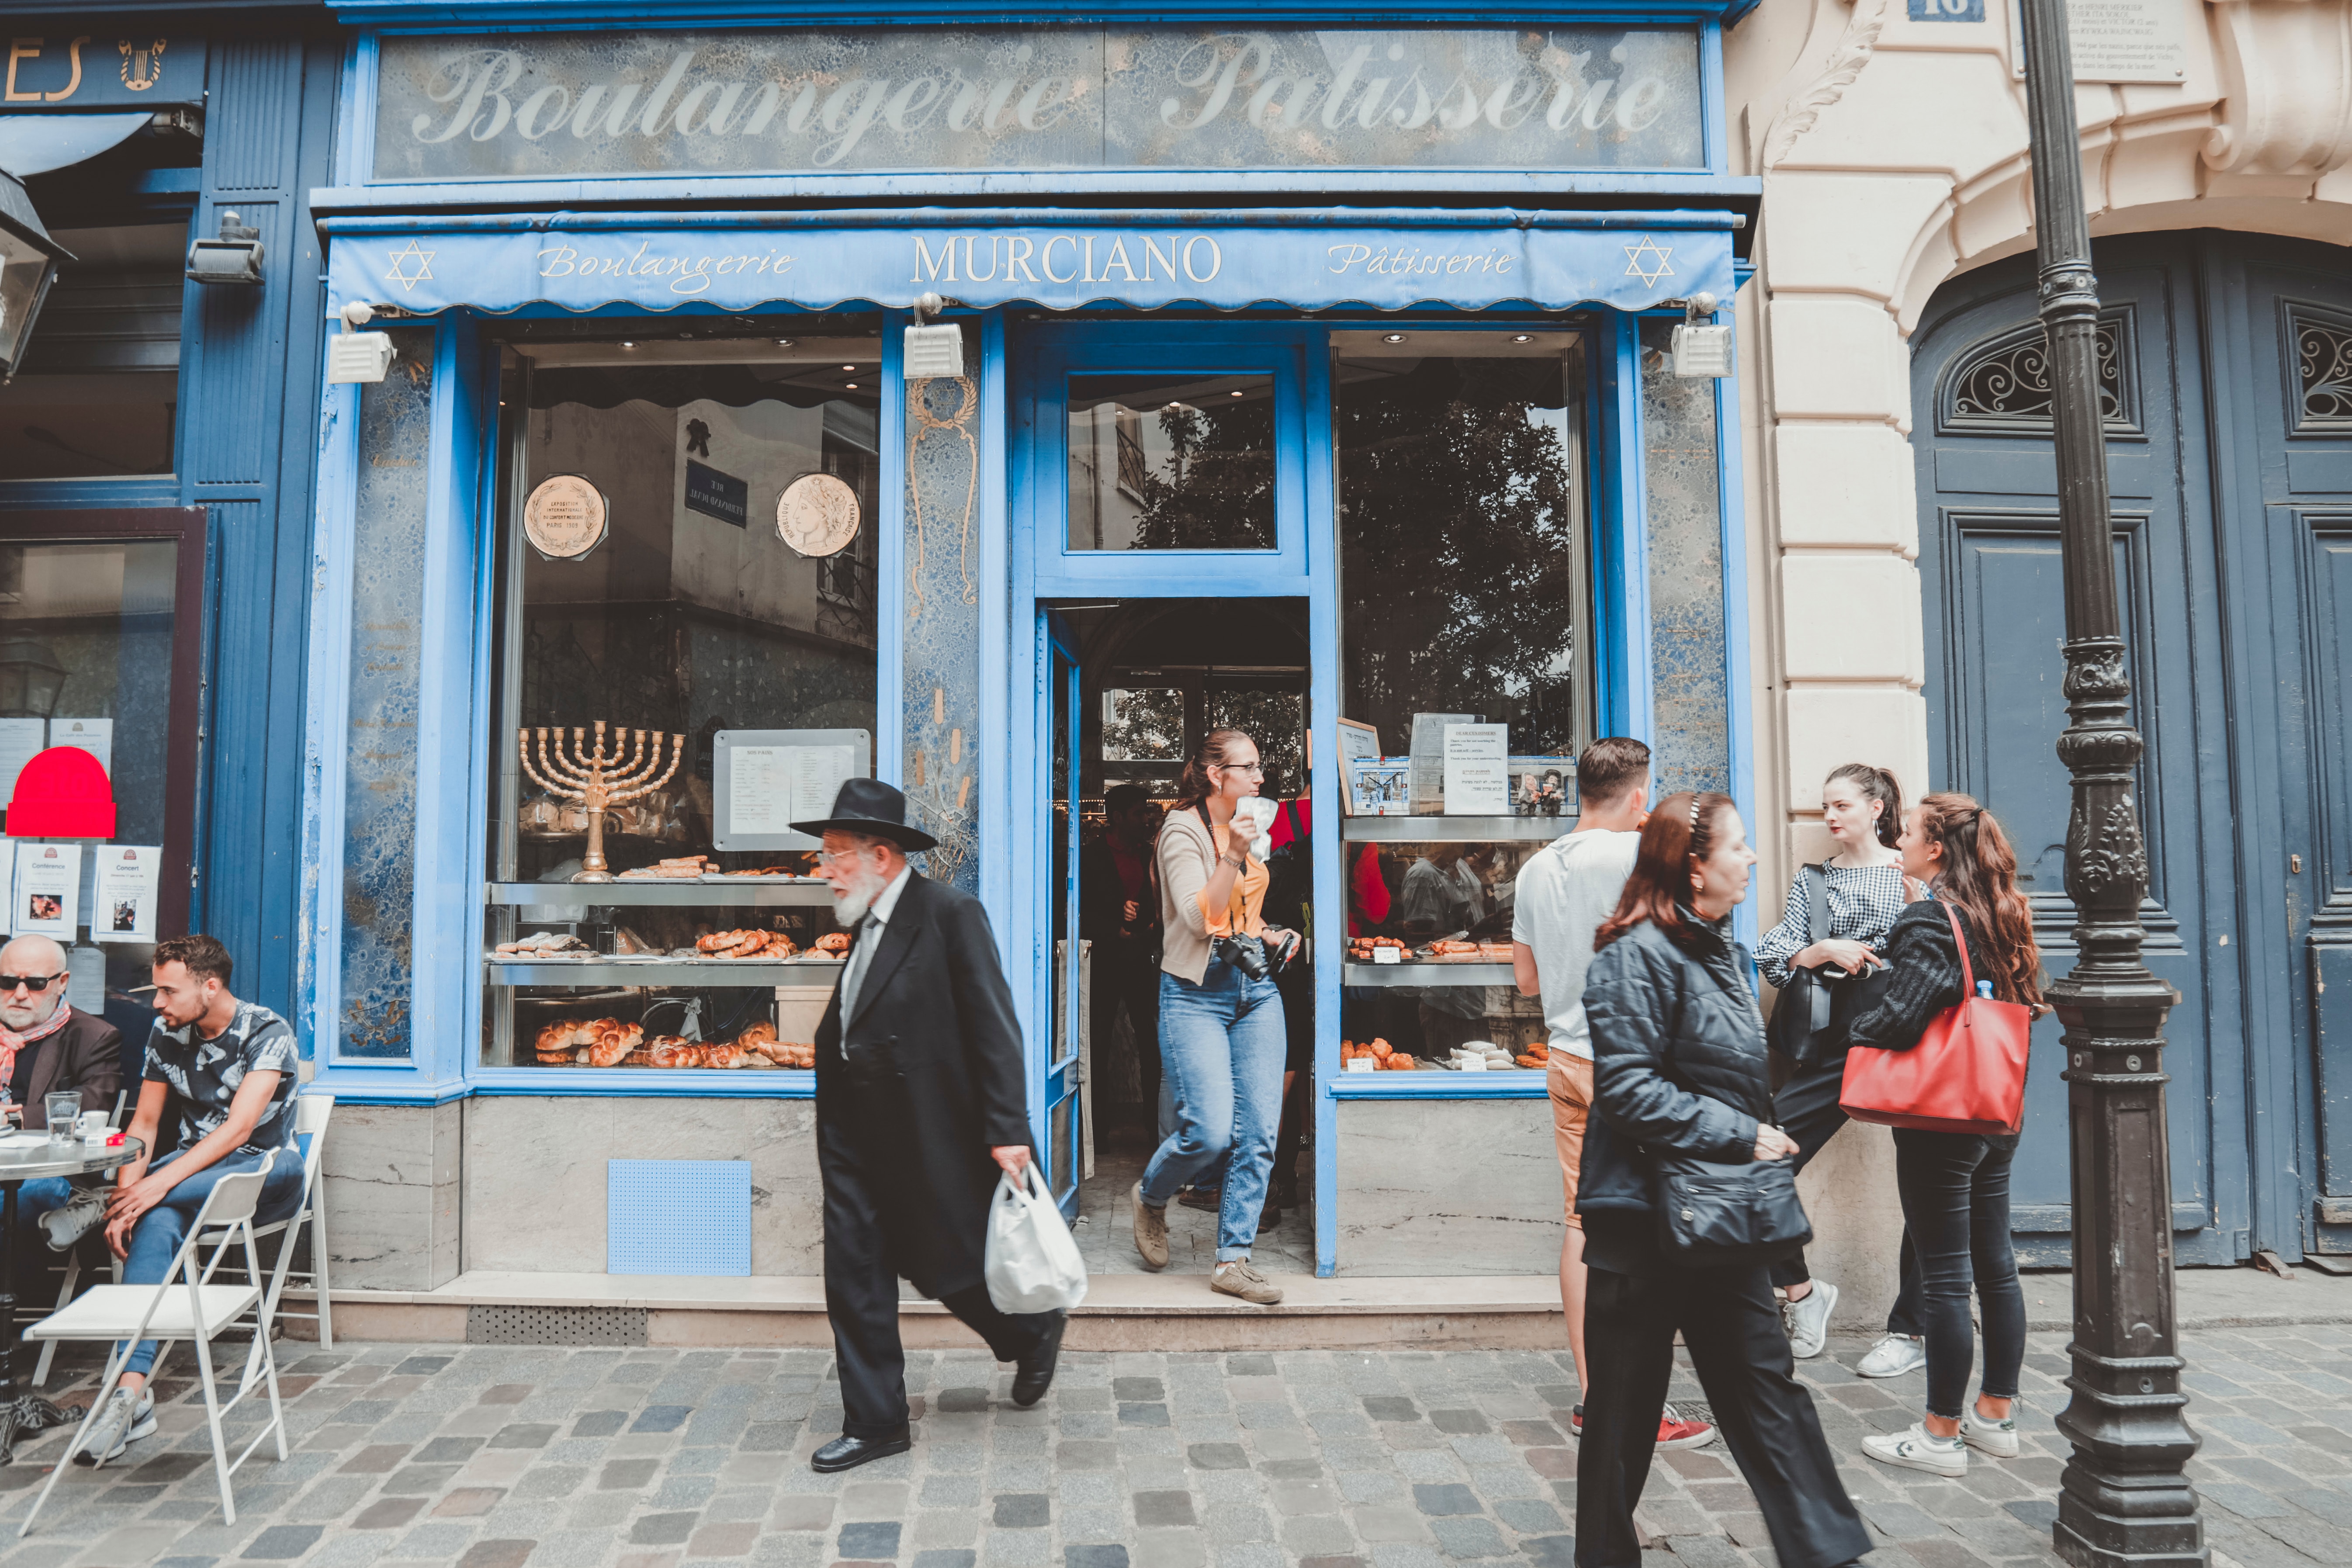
x,y
686,562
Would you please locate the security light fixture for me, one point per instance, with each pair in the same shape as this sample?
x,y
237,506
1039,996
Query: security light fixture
x,y
1701,351
233,257
354,357
29,265
933,349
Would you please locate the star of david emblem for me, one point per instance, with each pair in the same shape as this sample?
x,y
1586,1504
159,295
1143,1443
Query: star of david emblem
x,y
410,267
1646,260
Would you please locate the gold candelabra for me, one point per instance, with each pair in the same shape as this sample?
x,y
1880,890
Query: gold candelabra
x,y
597,781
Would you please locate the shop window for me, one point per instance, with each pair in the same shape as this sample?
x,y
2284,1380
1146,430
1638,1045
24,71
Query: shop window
x,y
100,383
1159,463
1143,724
689,562
1465,533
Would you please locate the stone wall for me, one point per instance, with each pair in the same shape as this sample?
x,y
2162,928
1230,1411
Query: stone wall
x,y
390,1180
1448,1186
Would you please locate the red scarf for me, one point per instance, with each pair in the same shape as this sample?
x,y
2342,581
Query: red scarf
x,y
11,1042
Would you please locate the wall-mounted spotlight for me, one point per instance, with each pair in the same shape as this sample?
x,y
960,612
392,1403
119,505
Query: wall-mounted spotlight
x,y
233,257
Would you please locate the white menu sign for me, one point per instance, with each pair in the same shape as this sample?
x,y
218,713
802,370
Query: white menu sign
x,y
760,792
1477,770
95,736
122,905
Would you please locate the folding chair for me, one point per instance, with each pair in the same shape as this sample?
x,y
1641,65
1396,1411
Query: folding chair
x,y
312,1112
186,1305
73,1272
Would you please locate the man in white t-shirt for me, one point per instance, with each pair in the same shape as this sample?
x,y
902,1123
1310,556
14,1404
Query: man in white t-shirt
x,y
1565,890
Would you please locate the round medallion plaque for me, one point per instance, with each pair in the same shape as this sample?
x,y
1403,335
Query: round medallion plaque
x,y
565,517
817,514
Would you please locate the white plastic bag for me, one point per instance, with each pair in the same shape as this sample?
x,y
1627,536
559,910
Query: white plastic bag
x,y
1033,1262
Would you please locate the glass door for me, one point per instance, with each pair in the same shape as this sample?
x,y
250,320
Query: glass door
x,y
1065,1065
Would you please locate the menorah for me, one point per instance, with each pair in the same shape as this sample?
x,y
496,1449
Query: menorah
x,y
596,781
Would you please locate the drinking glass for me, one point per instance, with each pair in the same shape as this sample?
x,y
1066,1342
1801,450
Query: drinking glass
x,y
64,1110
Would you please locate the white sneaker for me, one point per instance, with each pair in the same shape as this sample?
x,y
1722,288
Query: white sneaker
x,y
1808,1322
124,1421
1918,1449
1986,1436
1892,1356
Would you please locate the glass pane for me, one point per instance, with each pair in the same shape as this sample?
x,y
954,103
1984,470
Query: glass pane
x,y
1062,825
86,661
1464,533
693,598
380,760
1143,724
1276,720
1692,696
100,381
1171,463
1448,917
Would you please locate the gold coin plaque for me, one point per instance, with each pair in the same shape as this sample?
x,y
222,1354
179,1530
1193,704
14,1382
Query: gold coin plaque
x,y
565,517
817,514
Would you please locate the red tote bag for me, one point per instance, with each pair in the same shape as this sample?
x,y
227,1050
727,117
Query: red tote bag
x,y
1967,1074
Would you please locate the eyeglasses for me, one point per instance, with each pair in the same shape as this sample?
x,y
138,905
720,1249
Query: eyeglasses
x,y
1257,768
35,983
835,856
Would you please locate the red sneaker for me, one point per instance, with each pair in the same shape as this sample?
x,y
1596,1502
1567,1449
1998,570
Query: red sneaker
x,y
1674,1432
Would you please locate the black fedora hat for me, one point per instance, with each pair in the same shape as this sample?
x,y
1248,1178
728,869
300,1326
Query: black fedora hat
x,y
872,807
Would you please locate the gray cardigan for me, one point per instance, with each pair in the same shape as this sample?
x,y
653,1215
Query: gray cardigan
x,y
1187,853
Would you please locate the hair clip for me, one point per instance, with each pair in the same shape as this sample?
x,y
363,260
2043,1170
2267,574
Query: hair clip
x,y
1695,799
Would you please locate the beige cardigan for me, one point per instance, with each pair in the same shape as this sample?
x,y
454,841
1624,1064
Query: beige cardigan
x,y
1187,854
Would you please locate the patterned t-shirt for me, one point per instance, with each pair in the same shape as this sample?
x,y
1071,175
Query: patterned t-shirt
x,y
204,1075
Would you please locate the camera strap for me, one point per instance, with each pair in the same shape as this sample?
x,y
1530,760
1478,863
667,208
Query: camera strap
x,y
1235,907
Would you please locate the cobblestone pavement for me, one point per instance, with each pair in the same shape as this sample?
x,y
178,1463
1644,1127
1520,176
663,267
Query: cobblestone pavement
x,y
497,1456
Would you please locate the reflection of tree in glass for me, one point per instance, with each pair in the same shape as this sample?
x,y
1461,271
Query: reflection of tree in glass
x,y
1214,490
1460,524
1142,724
1272,719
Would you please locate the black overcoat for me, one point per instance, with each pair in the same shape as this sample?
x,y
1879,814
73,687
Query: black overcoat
x,y
933,1078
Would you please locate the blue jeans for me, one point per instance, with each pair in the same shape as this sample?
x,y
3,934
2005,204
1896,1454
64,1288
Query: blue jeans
x,y
155,1239
1222,1045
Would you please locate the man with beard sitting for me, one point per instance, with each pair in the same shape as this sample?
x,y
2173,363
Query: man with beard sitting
x,y
922,1099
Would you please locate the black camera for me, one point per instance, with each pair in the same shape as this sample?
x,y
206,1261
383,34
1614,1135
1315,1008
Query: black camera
x,y
1252,957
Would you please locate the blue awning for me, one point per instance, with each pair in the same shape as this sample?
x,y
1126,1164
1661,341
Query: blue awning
x,y
36,144
1055,259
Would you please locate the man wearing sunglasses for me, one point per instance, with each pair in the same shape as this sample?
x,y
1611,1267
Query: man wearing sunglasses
x,y
48,1045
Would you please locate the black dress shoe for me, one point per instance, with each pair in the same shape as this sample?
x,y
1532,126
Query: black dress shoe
x,y
847,1453
1035,1374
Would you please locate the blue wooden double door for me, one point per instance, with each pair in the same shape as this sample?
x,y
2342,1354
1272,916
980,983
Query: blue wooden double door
x,y
2225,375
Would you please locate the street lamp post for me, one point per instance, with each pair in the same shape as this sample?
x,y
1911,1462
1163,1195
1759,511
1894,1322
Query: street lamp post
x,y
2122,1498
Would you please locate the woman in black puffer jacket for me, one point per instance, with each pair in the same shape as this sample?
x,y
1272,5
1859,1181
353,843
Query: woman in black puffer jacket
x,y
1678,1068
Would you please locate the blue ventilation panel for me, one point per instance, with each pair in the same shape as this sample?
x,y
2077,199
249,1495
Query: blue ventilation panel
x,y
677,1217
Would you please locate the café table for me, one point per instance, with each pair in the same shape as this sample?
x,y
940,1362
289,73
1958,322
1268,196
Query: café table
x,y
26,1157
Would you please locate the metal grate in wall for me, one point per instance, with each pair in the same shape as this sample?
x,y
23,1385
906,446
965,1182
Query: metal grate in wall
x,y
555,1325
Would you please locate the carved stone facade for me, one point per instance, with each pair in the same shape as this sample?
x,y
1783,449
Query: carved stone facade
x,y
1893,152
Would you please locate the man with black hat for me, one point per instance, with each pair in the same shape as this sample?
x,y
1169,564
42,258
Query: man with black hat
x,y
921,1098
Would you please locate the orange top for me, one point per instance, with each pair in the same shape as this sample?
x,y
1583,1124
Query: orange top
x,y
1252,889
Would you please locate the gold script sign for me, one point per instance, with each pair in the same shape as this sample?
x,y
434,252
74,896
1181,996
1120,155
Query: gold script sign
x,y
565,517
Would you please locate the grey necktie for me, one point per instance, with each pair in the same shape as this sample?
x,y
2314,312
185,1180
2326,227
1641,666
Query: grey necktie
x,y
860,955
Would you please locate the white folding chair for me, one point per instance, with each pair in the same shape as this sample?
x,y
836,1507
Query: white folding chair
x,y
73,1276
186,1305
312,1112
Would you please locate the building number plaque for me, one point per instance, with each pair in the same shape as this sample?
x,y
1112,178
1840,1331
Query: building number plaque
x,y
565,517
817,514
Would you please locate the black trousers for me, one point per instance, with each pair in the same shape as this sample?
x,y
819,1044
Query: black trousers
x,y
1126,975
1808,1111
861,1292
1955,1188
1732,1328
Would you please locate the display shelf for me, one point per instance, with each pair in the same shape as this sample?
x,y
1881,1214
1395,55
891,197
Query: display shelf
x,y
1475,973
1453,829
675,973
736,891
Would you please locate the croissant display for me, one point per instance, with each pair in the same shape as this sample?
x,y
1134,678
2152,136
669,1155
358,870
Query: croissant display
x,y
833,941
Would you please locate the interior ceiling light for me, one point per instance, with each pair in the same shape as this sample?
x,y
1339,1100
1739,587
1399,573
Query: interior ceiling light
x,y
849,367
783,342
1523,337
1391,337
852,385
628,345
1233,395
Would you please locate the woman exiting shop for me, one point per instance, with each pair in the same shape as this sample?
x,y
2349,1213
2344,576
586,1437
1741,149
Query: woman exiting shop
x,y
1850,900
1955,1185
1221,1040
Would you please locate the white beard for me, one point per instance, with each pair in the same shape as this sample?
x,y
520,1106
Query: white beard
x,y
849,908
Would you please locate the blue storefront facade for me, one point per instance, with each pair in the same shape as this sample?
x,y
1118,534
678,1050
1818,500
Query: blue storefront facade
x,y
1319,381
157,446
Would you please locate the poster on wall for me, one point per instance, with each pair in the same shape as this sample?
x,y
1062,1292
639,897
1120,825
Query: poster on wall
x,y
763,781
1358,742
1428,752
48,889
19,740
122,905
95,736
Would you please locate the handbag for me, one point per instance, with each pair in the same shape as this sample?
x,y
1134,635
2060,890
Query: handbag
x,y
1967,1074
1804,1010
1716,1213
1032,1263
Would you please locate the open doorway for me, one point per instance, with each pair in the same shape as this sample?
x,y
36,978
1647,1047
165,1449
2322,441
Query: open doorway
x,y
1153,675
